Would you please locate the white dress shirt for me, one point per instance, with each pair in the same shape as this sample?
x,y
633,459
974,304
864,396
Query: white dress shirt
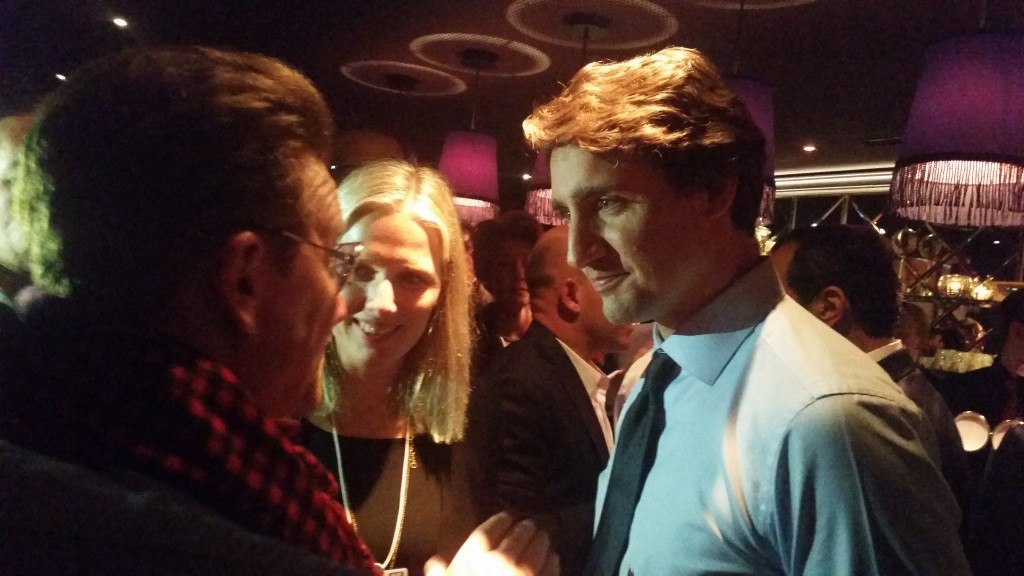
x,y
596,383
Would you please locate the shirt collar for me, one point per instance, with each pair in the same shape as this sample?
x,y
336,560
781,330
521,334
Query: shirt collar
x,y
881,352
712,336
589,373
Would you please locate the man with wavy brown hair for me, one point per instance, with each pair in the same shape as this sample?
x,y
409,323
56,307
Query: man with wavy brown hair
x,y
759,441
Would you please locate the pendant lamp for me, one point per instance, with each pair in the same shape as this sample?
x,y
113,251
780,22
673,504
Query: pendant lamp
x,y
962,157
582,27
758,97
469,159
538,200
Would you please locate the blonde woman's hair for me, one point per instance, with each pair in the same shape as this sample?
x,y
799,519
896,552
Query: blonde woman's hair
x,y
434,382
670,107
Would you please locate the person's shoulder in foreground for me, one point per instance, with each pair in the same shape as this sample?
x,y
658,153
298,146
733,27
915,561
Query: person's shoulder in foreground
x,y
179,208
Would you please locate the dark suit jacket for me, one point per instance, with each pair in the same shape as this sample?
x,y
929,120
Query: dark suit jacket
x,y
538,443
901,368
995,542
983,391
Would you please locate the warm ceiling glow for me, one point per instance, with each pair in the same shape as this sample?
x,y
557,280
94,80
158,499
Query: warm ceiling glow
x,y
61,77
120,22
810,147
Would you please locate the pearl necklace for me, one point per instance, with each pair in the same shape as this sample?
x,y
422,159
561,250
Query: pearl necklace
x,y
403,495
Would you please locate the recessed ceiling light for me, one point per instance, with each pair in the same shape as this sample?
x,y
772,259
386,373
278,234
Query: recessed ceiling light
x,y
995,241
120,22
527,176
61,77
809,147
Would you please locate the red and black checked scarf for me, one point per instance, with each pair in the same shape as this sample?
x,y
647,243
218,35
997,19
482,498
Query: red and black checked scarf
x,y
149,404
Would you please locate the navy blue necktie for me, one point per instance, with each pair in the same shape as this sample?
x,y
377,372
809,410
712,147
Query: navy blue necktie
x,y
635,450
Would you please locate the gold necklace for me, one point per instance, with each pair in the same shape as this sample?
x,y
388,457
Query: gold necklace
x,y
409,462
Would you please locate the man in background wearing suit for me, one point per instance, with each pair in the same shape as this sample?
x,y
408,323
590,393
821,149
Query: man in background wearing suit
x,y
539,423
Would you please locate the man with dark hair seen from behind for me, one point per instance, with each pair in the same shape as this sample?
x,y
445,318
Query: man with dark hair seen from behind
x,y
845,276
179,208
759,441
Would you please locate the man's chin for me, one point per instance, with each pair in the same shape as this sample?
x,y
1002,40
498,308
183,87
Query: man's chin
x,y
617,310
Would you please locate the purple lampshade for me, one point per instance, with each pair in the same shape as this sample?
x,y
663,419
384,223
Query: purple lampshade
x,y
541,175
469,161
538,200
538,204
758,97
472,211
962,159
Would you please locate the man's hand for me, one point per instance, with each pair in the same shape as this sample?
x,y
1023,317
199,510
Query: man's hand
x,y
501,546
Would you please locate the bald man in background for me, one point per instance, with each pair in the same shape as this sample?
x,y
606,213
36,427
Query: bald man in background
x,y
539,422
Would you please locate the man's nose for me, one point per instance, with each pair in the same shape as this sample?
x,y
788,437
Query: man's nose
x,y
584,245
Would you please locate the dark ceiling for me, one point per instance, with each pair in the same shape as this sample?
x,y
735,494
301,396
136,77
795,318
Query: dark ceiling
x,y
844,71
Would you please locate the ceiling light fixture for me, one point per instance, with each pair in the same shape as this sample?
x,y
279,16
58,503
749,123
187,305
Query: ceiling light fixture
x,y
583,27
120,22
538,200
759,99
469,159
962,158
835,181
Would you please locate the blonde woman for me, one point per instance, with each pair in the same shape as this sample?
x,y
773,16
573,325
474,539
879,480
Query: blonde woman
x,y
397,371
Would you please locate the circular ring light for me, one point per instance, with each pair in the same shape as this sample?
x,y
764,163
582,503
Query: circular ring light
x,y
427,81
641,23
750,4
514,58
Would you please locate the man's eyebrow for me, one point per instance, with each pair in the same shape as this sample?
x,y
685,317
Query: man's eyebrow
x,y
588,191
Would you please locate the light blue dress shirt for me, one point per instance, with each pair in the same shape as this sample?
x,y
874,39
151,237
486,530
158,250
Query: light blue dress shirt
x,y
786,450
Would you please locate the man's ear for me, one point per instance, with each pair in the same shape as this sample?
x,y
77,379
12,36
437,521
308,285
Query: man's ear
x,y
721,204
238,278
829,305
569,295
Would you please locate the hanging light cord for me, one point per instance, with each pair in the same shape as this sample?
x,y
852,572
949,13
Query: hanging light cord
x,y
737,43
476,99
